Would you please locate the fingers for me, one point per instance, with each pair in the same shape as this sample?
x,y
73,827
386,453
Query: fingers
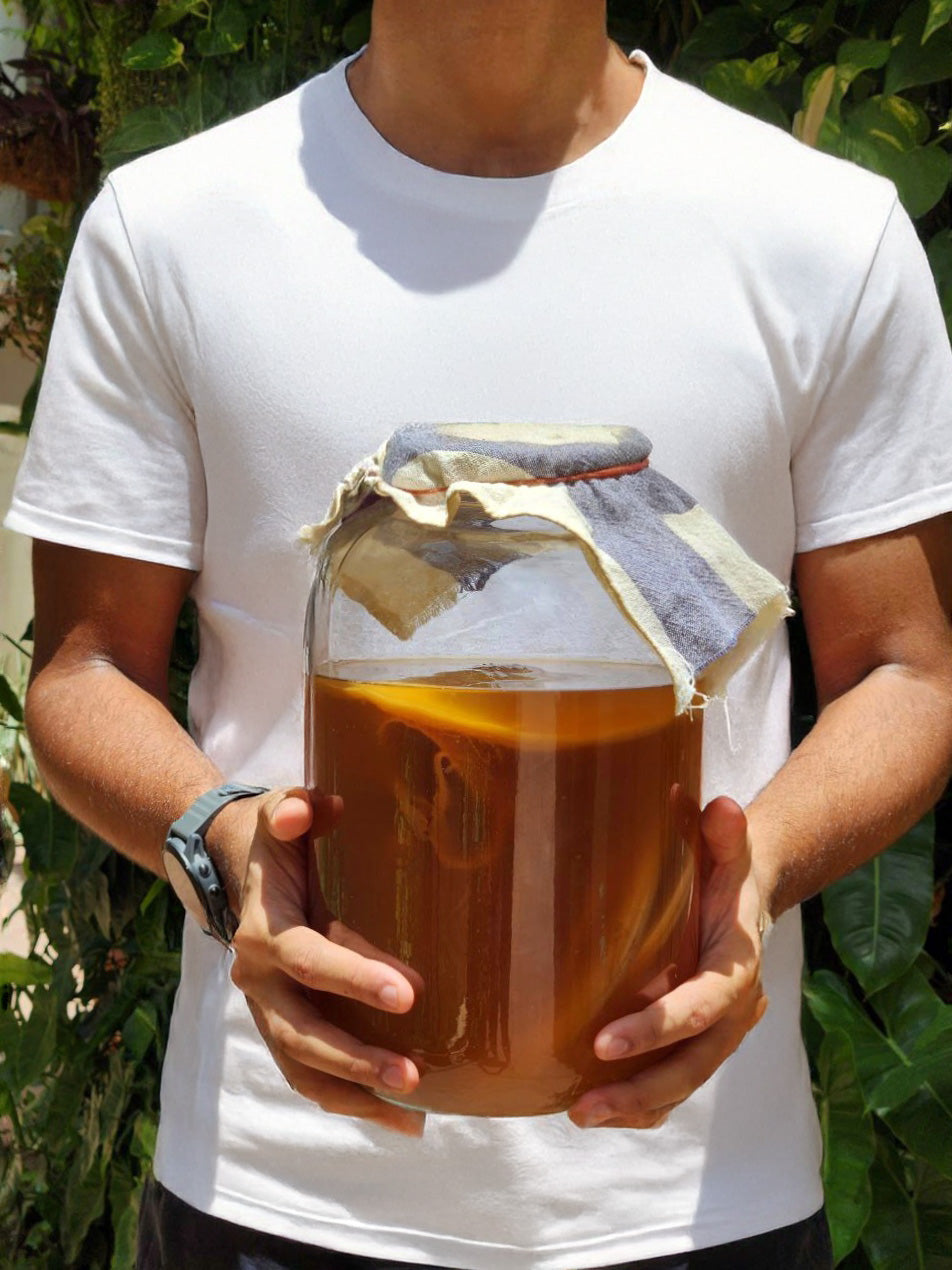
x,y
286,814
703,1040
647,1099
333,1094
724,831
297,1035
686,1012
313,961
280,958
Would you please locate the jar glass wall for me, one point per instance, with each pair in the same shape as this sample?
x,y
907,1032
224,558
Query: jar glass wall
x,y
519,803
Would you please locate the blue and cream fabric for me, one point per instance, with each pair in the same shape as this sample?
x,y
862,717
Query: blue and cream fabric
x,y
683,582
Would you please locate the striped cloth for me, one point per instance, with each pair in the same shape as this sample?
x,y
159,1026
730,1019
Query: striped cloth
x,y
682,581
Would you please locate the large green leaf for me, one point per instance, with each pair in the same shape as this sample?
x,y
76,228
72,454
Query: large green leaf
x,y
913,62
886,135
723,33
356,31
23,971
743,84
168,12
849,1143
227,33
855,56
38,1038
910,1225
206,96
125,1195
878,915
148,128
156,51
83,1202
140,1029
940,14
51,837
908,1083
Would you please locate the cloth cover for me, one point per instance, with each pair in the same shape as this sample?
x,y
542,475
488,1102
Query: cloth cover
x,y
681,580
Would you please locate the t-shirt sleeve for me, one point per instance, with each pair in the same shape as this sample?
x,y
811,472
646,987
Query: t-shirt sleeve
x,y
113,462
878,452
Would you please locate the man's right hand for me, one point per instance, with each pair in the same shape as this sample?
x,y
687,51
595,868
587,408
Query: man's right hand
x,y
114,756
280,961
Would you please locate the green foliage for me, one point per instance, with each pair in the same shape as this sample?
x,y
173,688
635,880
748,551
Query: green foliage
x,y
83,1015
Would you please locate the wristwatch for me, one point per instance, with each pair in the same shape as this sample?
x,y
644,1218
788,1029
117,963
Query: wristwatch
x,y
191,873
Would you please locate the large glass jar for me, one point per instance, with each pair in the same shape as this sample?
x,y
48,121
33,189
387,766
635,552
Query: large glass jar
x,y
519,804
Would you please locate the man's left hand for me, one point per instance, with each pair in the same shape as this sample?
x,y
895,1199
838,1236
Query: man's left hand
x,y
705,1018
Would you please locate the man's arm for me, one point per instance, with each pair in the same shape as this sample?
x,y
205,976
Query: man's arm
x,y
876,614
114,756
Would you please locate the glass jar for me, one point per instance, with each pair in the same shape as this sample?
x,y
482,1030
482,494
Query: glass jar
x,y
520,803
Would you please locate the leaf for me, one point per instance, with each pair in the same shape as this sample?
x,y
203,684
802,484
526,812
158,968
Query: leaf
x,y
91,901
24,972
910,1008
206,97
37,1039
849,1143
855,56
356,31
49,834
84,1201
878,915
250,84
884,135
891,1238
722,33
9,701
168,12
940,14
742,84
914,62
907,1085
153,52
140,1029
227,33
144,1134
939,252
147,128
807,124
125,1197
114,1101
798,25
910,1226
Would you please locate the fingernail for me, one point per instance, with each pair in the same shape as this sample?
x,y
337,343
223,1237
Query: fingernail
x,y
609,1047
595,1115
389,995
393,1077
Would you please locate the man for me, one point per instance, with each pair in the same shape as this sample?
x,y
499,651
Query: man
x,y
490,213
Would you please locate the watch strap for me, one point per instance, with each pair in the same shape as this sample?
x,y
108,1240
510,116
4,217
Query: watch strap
x,y
204,809
185,842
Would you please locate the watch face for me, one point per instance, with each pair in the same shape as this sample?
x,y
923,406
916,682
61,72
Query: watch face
x,y
184,888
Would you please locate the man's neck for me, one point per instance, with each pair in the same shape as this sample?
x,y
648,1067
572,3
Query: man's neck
x,y
493,87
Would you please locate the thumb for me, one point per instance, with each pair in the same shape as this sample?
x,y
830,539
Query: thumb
x,y
724,831
286,814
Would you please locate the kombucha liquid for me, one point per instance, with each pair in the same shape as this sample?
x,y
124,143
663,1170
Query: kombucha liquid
x,y
523,839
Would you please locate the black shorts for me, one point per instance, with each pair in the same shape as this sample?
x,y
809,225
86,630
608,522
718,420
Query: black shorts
x,y
175,1236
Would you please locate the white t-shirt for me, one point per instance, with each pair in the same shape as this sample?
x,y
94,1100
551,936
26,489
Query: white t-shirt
x,y
248,314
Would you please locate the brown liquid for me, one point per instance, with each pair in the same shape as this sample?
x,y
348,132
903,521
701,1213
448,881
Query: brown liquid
x,y
510,835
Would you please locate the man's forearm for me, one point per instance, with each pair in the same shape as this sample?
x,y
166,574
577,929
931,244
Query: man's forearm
x,y
877,759
114,756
